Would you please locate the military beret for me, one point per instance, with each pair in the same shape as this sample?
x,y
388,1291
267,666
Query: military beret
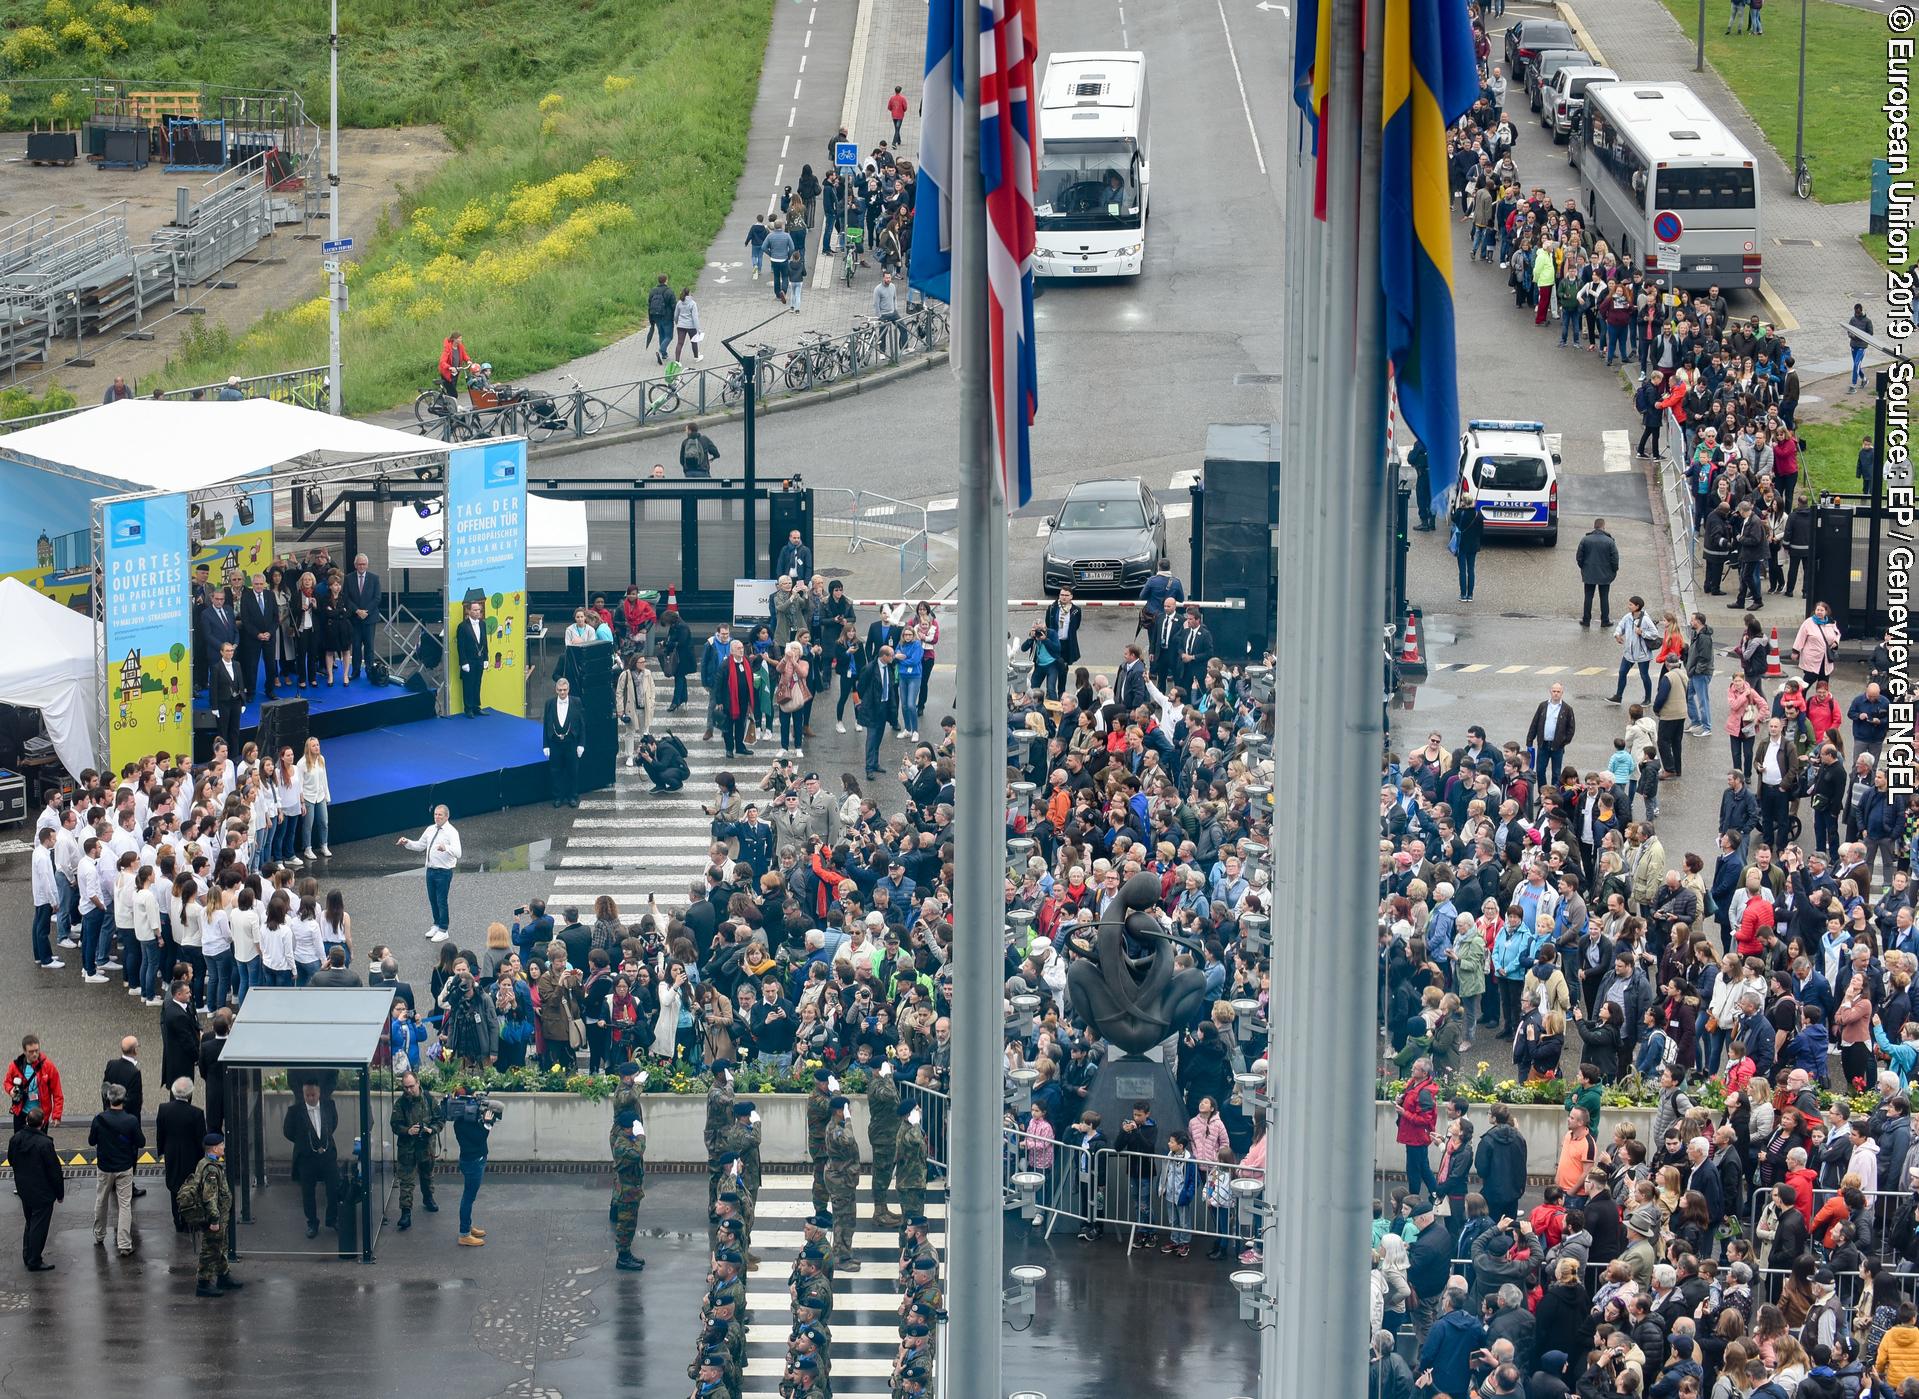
x,y
821,1075
727,1255
743,1109
822,1220
628,1070
926,1263
808,1363
906,1106
838,1102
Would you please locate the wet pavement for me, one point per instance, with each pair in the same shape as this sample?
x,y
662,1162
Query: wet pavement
x,y
541,1312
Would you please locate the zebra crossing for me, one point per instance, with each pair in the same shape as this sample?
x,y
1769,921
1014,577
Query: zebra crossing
x,y
865,1323
634,843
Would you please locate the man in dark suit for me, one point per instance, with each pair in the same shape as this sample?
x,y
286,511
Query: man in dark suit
x,y
1162,640
40,1184
1129,685
212,1074
226,695
1194,648
470,652
309,1126
361,591
202,597
563,740
259,633
179,1129
179,1035
125,1071
1062,638
389,976
877,704
216,625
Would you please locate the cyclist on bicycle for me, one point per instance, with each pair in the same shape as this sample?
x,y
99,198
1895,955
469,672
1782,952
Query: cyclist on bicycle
x,y
453,357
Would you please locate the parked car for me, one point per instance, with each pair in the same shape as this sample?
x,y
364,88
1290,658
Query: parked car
x,y
1544,65
1528,36
1566,98
1107,534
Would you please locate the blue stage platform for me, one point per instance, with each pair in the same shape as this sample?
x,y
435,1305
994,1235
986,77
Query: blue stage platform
x,y
387,780
340,709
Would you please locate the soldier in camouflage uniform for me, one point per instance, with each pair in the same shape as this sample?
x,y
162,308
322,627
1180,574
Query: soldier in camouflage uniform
x,y
734,1203
915,1354
813,1290
882,1134
909,1160
817,1229
819,1108
843,1182
206,1204
416,1125
726,1333
726,1282
744,1136
802,1380
710,1377
627,1138
714,1349
922,1293
719,1118
819,1341
800,1345
914,1240
912,1382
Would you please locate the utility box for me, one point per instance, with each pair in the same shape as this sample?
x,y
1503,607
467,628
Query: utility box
x,y
1235,514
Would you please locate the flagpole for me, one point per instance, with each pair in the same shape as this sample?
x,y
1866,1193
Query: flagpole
x,y
1330,599
975,1245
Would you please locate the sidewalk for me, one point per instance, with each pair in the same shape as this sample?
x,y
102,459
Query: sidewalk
x,y
1813,261
813,82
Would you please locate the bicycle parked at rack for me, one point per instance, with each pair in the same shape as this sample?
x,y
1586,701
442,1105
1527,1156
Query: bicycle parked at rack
x,y
819,361
557,412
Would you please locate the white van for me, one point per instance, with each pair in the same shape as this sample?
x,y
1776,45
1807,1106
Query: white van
x,y
1565,98
1510,474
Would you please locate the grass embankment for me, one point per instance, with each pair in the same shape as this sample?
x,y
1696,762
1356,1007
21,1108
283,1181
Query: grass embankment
x,y
1845,63
600,143
1831,459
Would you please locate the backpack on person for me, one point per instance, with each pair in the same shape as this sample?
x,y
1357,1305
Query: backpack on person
x,y
191,1202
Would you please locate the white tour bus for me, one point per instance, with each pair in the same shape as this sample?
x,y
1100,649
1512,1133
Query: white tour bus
x,y
1091,201
1669,187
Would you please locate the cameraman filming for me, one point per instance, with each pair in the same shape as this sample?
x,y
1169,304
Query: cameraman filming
x,y
472,1118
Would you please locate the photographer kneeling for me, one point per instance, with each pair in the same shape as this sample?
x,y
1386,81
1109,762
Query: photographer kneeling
x,y
472,1118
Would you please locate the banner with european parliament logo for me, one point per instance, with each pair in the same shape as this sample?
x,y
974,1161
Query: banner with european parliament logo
x,y
147,623
485,549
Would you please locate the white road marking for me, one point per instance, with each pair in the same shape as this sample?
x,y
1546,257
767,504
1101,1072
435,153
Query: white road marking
x,y
950,502
1549,670
1245,105
772,1333
796,89
1513,669
1617,452
1177,512
866,1367
803,58
1044,530
791,113
809,40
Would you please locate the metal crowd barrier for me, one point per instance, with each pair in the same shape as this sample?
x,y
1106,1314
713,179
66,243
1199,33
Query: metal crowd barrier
x,y
694,391
1134,1200
863,517
1676,496
935,1112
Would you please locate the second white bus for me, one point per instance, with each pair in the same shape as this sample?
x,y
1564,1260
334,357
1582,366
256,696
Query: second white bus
x,y
1093,166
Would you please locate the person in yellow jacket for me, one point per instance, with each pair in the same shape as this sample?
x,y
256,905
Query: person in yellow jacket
x,y
1899,1348
1545,273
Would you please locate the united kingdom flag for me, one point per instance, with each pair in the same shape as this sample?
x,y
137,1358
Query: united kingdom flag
x,y
1009,169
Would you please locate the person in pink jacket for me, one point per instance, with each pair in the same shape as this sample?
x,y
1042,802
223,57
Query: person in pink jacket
x,y
1208,1133
1816,643
1254,1168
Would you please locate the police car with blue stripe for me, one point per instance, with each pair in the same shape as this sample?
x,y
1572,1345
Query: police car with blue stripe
x,y
1510,474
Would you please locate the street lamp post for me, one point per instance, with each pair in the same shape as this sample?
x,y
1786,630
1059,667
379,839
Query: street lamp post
x,y
336,281
750,367
1699,56
1801,181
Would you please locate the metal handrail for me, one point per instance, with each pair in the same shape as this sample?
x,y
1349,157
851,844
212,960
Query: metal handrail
x,y
305,387
695,391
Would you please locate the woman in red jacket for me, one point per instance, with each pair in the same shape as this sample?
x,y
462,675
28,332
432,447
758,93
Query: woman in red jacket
x,y
1417,1113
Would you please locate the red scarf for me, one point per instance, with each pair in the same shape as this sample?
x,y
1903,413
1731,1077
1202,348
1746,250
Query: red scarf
x,y
739,689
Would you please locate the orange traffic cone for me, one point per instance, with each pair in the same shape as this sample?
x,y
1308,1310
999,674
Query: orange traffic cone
x,y
1409,652
1772,657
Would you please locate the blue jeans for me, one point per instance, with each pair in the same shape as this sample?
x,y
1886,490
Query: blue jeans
x,y
1858,367
247,975
1550,763
1699,700
129,958
1645,677
909,700
221,983
149,969
1468,571
663,337
1181,1219
439,885
1419,1171
313,825
43,933
303,972
471,1173
93,947
1568,324
1738,20
1615,343
63,915
759,256
1483,242
1712,1049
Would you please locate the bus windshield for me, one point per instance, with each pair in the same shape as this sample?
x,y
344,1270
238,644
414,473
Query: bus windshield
x,y
1724,187
1088,184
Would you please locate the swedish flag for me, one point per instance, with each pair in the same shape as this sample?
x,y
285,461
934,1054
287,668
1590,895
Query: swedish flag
x,y
1430,81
